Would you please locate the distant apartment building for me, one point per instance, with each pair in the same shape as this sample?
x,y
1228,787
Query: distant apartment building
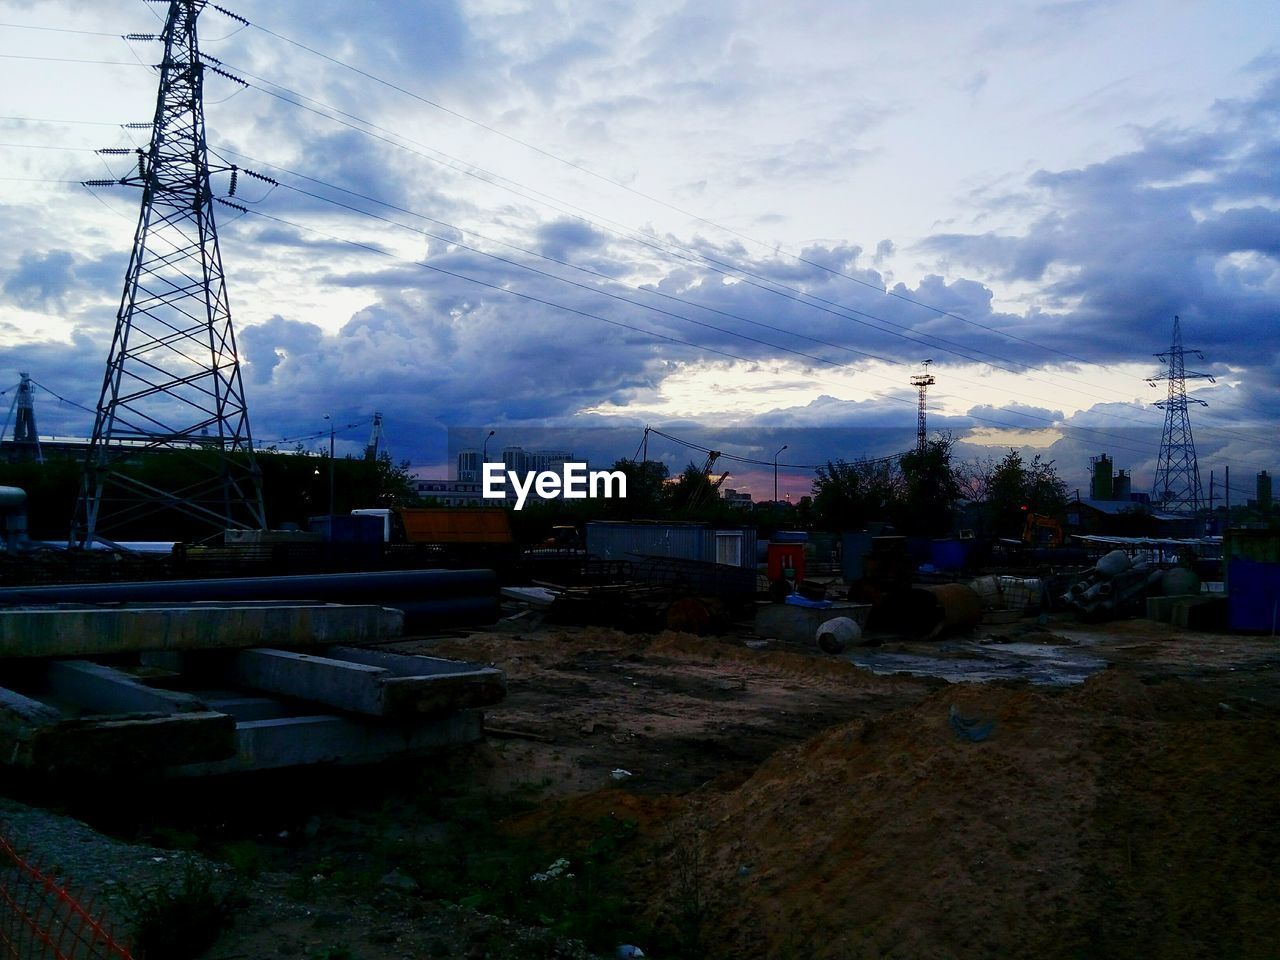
x,y
522,461
469,465
452,493
467,486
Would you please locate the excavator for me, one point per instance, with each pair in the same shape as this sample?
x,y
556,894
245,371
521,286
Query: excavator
x,y
1042,531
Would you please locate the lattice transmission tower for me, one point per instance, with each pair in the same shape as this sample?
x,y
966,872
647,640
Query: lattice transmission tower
x,y
922,382
173,374
26,439
1177,485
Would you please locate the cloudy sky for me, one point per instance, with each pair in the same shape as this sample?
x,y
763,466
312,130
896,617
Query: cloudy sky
x,y
745,223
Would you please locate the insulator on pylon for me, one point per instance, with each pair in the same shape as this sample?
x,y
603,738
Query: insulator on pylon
x,y
140,36
262,177
210,57
142,164
234,180
234,206
100,183
229,76
114,151
227,13
136,126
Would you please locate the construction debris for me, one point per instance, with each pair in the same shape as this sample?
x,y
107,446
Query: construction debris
x,y
191,690
1114,587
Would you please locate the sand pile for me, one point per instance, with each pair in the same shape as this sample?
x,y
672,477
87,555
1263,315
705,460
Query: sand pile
x,y
1113,819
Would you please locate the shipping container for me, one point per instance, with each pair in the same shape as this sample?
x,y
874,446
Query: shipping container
x,y
616,540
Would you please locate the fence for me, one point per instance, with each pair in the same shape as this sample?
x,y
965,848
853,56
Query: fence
x,y
40,920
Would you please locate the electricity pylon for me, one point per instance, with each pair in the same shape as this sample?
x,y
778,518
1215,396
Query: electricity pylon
x,y
173,374
26,439
1177,484
922,382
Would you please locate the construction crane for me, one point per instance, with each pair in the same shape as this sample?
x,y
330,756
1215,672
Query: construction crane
x,y
377,440
700,493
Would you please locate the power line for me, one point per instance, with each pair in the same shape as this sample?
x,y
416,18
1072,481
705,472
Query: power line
x,y
756,462
732,333
737,272
588,288
639,193
622,324
109,63
86,33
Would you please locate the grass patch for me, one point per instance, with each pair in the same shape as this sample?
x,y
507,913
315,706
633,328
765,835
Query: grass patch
x,y
575,893
180,921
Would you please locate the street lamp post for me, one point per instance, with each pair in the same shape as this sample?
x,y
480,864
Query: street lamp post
x,y
484,450
775,472
331,463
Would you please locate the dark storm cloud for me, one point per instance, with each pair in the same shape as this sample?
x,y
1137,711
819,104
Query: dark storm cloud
x,y
40,281
562,238
1186,224
58,280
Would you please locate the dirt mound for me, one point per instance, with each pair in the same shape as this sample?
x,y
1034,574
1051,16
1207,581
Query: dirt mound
x,y
574,823
984,821
1119,692
907,835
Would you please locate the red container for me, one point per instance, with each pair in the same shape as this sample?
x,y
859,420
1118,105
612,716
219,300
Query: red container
x,y
786,560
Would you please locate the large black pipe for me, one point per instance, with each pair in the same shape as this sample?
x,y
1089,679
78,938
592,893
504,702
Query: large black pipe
x,y
429,598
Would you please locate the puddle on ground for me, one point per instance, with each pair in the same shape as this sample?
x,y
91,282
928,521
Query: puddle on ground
x,y
967,661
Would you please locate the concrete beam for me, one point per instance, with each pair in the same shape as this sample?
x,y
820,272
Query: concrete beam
x,y
244,707
20,718
93,632
299,741
99,689
102,747
353,687
372,682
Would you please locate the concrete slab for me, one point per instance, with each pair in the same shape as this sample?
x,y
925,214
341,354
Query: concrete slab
x,y
1200,613
20,717
1161,608
354,687
99,689
113,746
371,682
246,707
298,741
91,632
792,624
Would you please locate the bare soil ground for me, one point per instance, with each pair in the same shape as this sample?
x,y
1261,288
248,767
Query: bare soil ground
x,y
717,799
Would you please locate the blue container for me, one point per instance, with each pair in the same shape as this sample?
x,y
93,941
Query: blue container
x,y
344,528
949,554
1253,600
